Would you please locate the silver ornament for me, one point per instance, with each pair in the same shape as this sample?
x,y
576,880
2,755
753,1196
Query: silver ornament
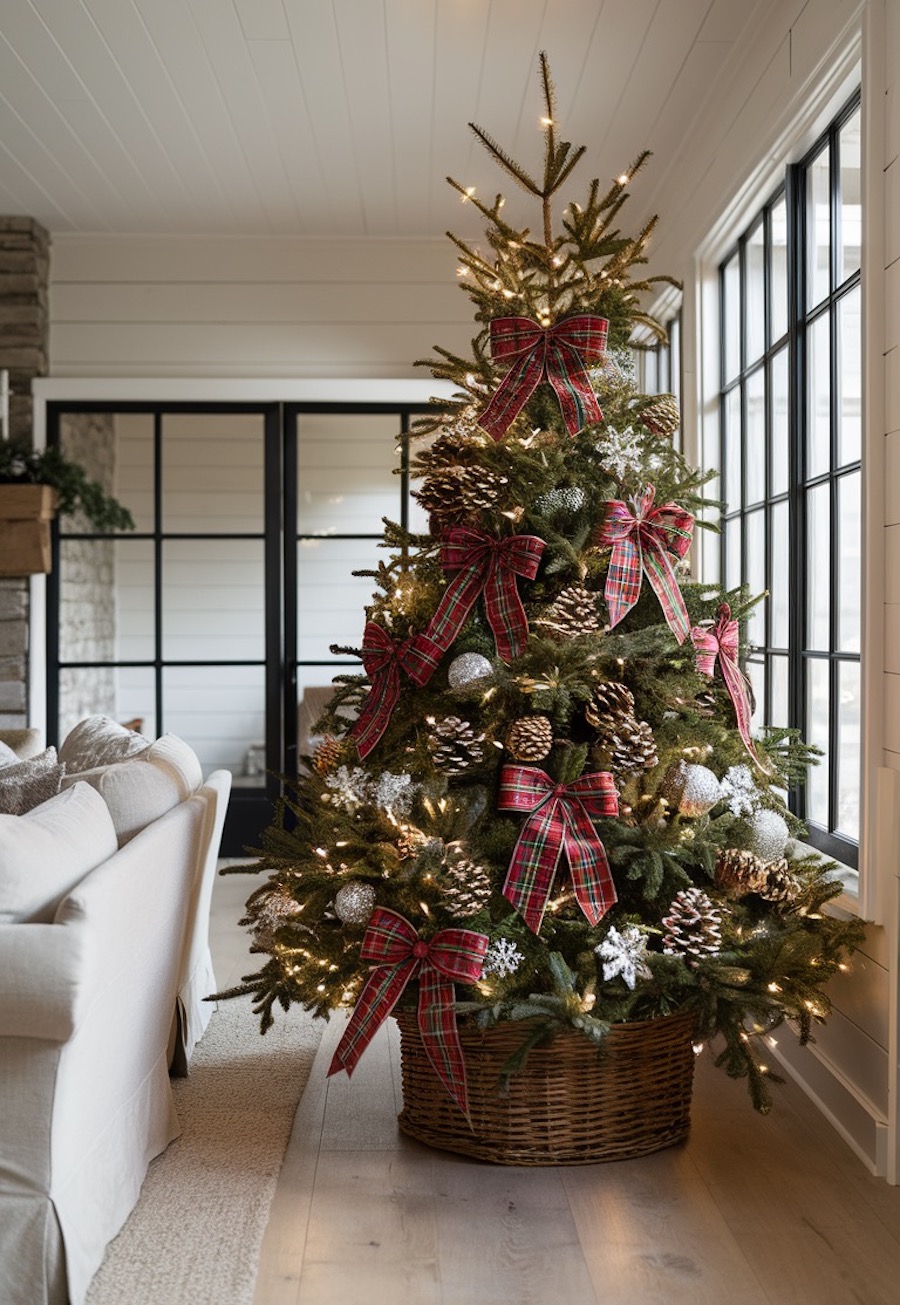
x,y
467,668
768,834
567,498
700,791
354,902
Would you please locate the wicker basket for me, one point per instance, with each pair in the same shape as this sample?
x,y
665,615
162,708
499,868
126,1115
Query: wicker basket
x,y
570,1104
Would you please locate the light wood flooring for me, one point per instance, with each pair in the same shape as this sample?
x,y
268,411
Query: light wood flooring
x,y
751,1210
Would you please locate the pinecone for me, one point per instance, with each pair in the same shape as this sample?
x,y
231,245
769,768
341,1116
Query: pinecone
x,y
328,755
455,747
468,887
410,843
780,883
693,926
456,490
740,872
530,738
452,447
633,748
574,612
662,416
611,704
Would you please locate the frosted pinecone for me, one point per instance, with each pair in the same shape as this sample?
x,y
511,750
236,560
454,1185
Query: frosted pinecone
x,y
780,883
530,738
452,448
624,744
328,755
467,887
456,490
740,872
574,612
662,416
693,926
633,748
455,747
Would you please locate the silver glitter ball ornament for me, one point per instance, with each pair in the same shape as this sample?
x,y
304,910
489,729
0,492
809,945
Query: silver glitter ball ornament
x,y
700,792
467,668
354,902
769,834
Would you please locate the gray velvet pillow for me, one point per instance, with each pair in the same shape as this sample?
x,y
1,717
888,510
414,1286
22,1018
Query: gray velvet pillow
x,y
26,784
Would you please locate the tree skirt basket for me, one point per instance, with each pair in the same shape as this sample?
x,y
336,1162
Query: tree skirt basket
x,y
572,1102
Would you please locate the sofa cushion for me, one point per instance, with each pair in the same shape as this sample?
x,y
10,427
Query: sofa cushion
x,y
26,741
100,741
25,784
145,787
7,756
49,850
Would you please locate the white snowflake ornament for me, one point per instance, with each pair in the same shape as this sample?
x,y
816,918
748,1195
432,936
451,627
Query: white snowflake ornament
x,y
501,958
623,954
740,791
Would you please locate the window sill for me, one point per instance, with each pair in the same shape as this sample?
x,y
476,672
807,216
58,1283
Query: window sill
x,y
847,904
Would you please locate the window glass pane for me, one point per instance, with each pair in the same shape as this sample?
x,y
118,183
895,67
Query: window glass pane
x,y
848,748
733,553
345,465
87,600
818,567
849,570
126,694
818,398
212,472
221,709
778,690
755,438
756,674
213,600
662,369
754,272
851,197
849,371
92,440
755,574
817,734
651,372
778,270
330,601
134,581
733,442
818,229
731,318
778,576
780,446
136,697
675,357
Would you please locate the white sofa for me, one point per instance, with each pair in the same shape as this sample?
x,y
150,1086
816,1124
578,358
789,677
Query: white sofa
x,y
101,989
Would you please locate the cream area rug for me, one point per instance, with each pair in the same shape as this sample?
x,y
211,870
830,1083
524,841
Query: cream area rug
x,y
195,1234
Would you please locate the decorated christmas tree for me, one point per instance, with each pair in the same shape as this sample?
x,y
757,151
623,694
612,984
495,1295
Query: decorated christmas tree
x,y
540,807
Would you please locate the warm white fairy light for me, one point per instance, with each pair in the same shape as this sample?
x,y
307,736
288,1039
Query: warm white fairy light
x,y
623,179
467,194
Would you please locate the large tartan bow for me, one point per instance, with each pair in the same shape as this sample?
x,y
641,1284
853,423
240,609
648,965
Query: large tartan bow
x,y
399,954
555,353
646,539
559,818
490,565
721,640
383,659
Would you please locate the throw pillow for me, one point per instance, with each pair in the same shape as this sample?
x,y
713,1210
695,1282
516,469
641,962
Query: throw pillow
x,y
100,741
7,756
26,784
49,850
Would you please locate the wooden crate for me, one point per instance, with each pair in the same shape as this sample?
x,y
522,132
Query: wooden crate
x,y
25,515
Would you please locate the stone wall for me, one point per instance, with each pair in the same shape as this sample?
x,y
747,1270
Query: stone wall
x,y
24,332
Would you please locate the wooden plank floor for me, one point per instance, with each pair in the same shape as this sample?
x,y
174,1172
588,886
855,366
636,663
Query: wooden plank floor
x,y
751,1210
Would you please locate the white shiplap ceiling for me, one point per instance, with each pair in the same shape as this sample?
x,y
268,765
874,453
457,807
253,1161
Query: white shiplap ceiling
x,y
333,117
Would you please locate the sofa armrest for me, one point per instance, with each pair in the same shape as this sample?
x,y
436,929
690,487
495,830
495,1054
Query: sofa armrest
x,y
41,980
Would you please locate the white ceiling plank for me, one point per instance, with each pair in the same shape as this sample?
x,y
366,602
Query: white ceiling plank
x,y
724,22
263,20
26,196
141,64
171,27
107,117
411,34
316,50
229,57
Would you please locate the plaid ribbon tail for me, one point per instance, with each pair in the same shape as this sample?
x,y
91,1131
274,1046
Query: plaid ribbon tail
x,y
376,711
623,579
592,879
455,607
568,376
722,642
440,1036
533,865
380,994
664,582
513,392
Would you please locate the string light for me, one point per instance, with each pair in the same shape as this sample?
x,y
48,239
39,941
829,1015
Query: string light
x,y
467,194
623,179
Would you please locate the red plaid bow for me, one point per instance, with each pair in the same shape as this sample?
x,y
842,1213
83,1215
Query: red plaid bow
x,y
722,641
399,954
383,660
555,353
559,819
489,565
647,540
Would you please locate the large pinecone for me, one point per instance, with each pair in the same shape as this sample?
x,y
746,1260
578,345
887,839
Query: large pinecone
x,y
467,888
612,703
624,744
455,747
662,416
781,884
530,738
740,872
574,612
693,926
454,491
328,755
450,448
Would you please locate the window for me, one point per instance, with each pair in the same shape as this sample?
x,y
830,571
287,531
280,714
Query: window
x,y
791,436
660,367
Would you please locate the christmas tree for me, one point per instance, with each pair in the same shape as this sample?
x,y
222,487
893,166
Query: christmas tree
x,y
541,802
